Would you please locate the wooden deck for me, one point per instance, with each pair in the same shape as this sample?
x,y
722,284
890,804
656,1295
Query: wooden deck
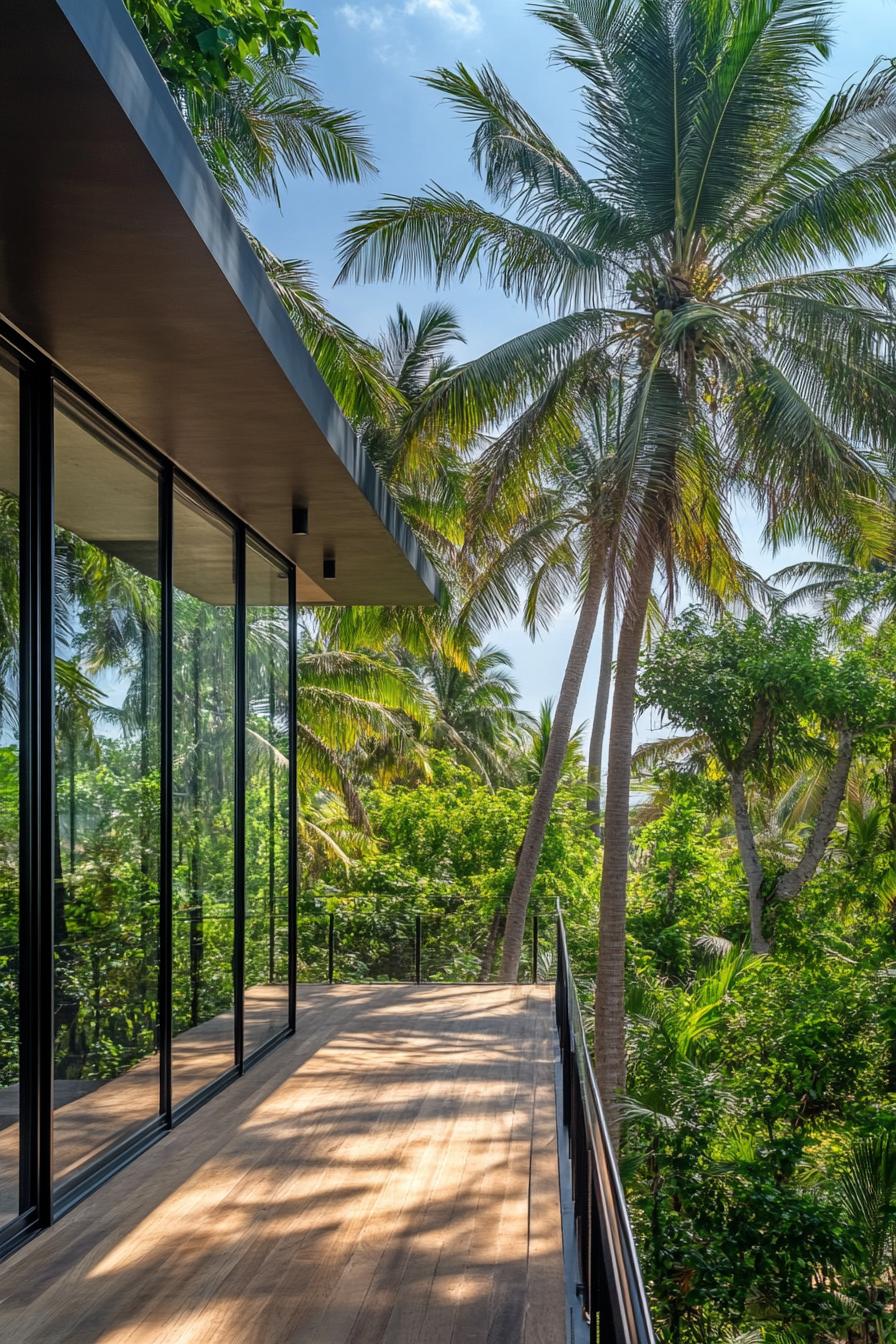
x,y
387,1176
88,1121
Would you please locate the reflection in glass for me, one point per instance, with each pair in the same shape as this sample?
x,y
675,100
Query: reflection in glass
x,y
106,911
203,914
9,795
267,800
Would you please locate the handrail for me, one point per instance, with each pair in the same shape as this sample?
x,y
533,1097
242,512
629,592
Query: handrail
x,y
415,936
614,1300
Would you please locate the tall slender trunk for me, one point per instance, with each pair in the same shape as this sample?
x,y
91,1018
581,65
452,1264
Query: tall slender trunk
x,y
609,994
495,930
599,722
530,850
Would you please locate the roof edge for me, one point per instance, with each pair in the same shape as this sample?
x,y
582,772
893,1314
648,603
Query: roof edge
x,y
111,40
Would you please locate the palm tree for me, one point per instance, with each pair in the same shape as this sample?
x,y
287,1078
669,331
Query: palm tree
x,y
348,702
711,257
258,130
559,536
427,471
476,715
426,467
566,535
537,745
866,1196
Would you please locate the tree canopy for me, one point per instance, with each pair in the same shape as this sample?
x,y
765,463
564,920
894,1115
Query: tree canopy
x,y
203,44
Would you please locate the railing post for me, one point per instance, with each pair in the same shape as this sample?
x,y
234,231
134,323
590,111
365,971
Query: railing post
x,y
558,972
418,941
535,949
600,1334
331,948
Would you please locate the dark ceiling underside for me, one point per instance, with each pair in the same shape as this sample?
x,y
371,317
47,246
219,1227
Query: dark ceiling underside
x,y
120,259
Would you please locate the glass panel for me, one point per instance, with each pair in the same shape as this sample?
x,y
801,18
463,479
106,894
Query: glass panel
x,y
9,795
267,800
203,923
106,1009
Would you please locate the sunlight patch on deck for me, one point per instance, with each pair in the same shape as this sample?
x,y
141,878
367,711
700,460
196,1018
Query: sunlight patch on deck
x,y
387,1176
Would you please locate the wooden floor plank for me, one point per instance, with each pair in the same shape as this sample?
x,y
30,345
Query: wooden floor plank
x,y
387,1176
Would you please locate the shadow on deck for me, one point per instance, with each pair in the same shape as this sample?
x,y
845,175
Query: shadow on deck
x,y
388,1174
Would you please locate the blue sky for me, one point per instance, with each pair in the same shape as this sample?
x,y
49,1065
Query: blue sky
x,y
371,51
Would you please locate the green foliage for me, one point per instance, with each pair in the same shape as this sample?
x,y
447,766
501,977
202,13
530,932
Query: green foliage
x,y
237,70
715,678
756,1153
198,44
695,255
446,850
704,336
686,886
806,1039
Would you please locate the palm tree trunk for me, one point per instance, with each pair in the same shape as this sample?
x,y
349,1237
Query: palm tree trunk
x,y
609,995
530,850
599,722
495,930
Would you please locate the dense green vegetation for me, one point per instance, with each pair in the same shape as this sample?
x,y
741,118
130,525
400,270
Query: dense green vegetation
x,y
711,326
714,330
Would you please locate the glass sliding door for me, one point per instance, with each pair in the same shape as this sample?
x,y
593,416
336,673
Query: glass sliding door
x,y
9,794
130,589
267,800
106,885
204,663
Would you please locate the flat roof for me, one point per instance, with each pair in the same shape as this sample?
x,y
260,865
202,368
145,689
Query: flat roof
x,y
120,258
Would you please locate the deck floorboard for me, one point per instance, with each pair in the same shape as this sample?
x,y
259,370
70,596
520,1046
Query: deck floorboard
x,y
387,1176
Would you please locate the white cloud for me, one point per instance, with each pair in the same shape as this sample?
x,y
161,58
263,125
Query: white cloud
x,y
461,15
365,16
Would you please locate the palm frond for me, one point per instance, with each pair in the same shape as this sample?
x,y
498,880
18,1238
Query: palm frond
x,y
349,365
256,131
443,236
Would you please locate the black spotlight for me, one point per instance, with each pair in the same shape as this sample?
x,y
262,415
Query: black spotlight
x,y
300,520
329,565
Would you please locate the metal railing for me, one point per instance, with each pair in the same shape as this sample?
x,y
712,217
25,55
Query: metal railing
x,y
358,941
611,1286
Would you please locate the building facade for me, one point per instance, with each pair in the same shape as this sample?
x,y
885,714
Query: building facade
x,y
174,480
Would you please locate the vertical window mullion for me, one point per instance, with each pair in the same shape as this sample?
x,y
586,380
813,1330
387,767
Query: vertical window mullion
x,y
293,780
38,784
28,906
166,800
239,801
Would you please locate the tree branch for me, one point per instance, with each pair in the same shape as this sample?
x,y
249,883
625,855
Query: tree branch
x,y
749,856
790,884
748,752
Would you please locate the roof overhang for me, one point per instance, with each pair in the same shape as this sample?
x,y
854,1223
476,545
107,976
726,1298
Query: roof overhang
x,y
121,260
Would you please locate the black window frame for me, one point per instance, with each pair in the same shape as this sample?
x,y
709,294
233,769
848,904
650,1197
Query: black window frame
x,y
40,379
